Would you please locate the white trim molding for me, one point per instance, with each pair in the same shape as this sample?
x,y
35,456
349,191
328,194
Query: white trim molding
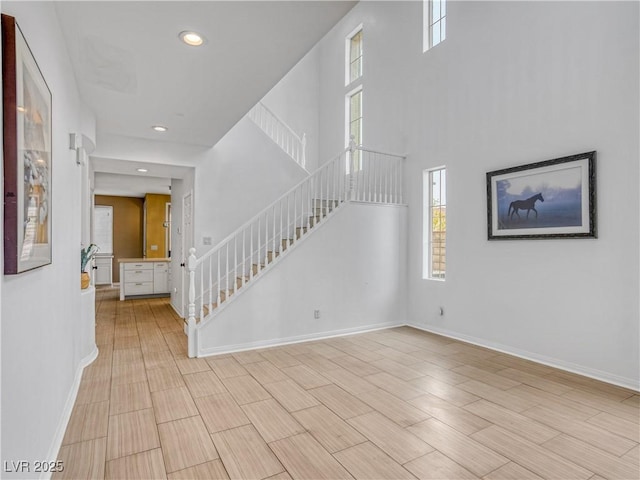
x,y
52,456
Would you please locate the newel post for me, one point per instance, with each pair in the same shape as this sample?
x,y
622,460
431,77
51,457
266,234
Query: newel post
x,y
191,320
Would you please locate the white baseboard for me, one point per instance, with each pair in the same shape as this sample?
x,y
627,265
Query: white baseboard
x,y
630,383
68,409
297,339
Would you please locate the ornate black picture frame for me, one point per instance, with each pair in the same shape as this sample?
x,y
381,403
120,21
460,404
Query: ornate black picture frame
x,y
544,200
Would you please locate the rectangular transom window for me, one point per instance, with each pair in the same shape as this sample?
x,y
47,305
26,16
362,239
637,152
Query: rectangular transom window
x,y
354,55
435,22
435,223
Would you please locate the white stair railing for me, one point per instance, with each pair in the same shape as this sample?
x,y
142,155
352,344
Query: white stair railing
x,y
357,174
280,133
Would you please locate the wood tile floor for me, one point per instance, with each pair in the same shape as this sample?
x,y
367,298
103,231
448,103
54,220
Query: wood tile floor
x,y
396,404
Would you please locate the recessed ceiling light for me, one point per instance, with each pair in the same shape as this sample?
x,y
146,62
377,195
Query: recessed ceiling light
x,y
191,38
159,128
142,170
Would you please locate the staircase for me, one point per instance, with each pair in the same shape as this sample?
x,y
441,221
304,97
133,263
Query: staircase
x,y
292,144
222,274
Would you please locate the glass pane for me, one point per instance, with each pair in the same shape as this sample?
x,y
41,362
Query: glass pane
x,y
435,10
356,130
443,8
435,187
443,187
356,69
356,106
435,34
443,29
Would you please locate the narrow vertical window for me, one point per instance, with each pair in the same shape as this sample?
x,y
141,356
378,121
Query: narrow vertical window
x,y
435,22
354,55
354,127
435,223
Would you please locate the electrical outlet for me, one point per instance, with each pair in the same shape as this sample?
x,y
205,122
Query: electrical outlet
x,y
206,240
316,314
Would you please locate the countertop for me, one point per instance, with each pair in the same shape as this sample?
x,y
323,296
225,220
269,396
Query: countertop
x,y
140,260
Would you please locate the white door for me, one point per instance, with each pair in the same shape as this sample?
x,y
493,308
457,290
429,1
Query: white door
x,y
187,243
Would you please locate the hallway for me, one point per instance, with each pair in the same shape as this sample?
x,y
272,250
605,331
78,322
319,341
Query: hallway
x,y
396,403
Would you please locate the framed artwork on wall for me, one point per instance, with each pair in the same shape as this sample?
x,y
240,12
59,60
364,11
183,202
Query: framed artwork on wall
x,y
27,131
550,199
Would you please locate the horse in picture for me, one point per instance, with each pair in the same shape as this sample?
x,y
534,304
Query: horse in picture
x,y
528,205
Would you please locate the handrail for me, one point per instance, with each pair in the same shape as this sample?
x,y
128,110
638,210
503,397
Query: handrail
x,y
396,155
223,271
281,133
271,205
262,105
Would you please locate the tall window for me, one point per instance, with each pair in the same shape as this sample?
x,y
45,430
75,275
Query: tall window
x,y
354,108
353,97
435,223
354,56
435,22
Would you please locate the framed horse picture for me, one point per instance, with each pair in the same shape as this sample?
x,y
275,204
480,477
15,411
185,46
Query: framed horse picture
x,y
550,199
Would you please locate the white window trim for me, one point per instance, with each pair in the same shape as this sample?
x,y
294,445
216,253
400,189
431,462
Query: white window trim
x,y
426,26
427,231
347,114
347,57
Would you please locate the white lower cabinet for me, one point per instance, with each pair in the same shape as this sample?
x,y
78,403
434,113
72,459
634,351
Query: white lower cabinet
x,y
161,277
143,277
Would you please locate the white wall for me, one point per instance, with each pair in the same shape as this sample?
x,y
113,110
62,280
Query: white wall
x,y
241,175
514,83
295,101
347,269
43,337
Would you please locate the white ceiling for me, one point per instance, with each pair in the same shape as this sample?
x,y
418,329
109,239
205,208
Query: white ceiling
x,y
133,71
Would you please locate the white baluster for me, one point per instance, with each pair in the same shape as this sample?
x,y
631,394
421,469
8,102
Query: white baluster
x,y
201,302
251,253
191,320
303,161
266,232
218,286
273,243
273,255
227,273
210,286
259,236
244,259
295,213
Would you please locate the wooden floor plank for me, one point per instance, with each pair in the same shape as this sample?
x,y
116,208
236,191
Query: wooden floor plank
x,y
340,402
521,425
186,443
436,466
272,420
401,412
304,458
542,461
146,465
395,441
366,461
245,454
333,433
592,434
462,449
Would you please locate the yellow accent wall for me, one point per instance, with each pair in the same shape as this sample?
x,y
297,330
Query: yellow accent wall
x,y
155,207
